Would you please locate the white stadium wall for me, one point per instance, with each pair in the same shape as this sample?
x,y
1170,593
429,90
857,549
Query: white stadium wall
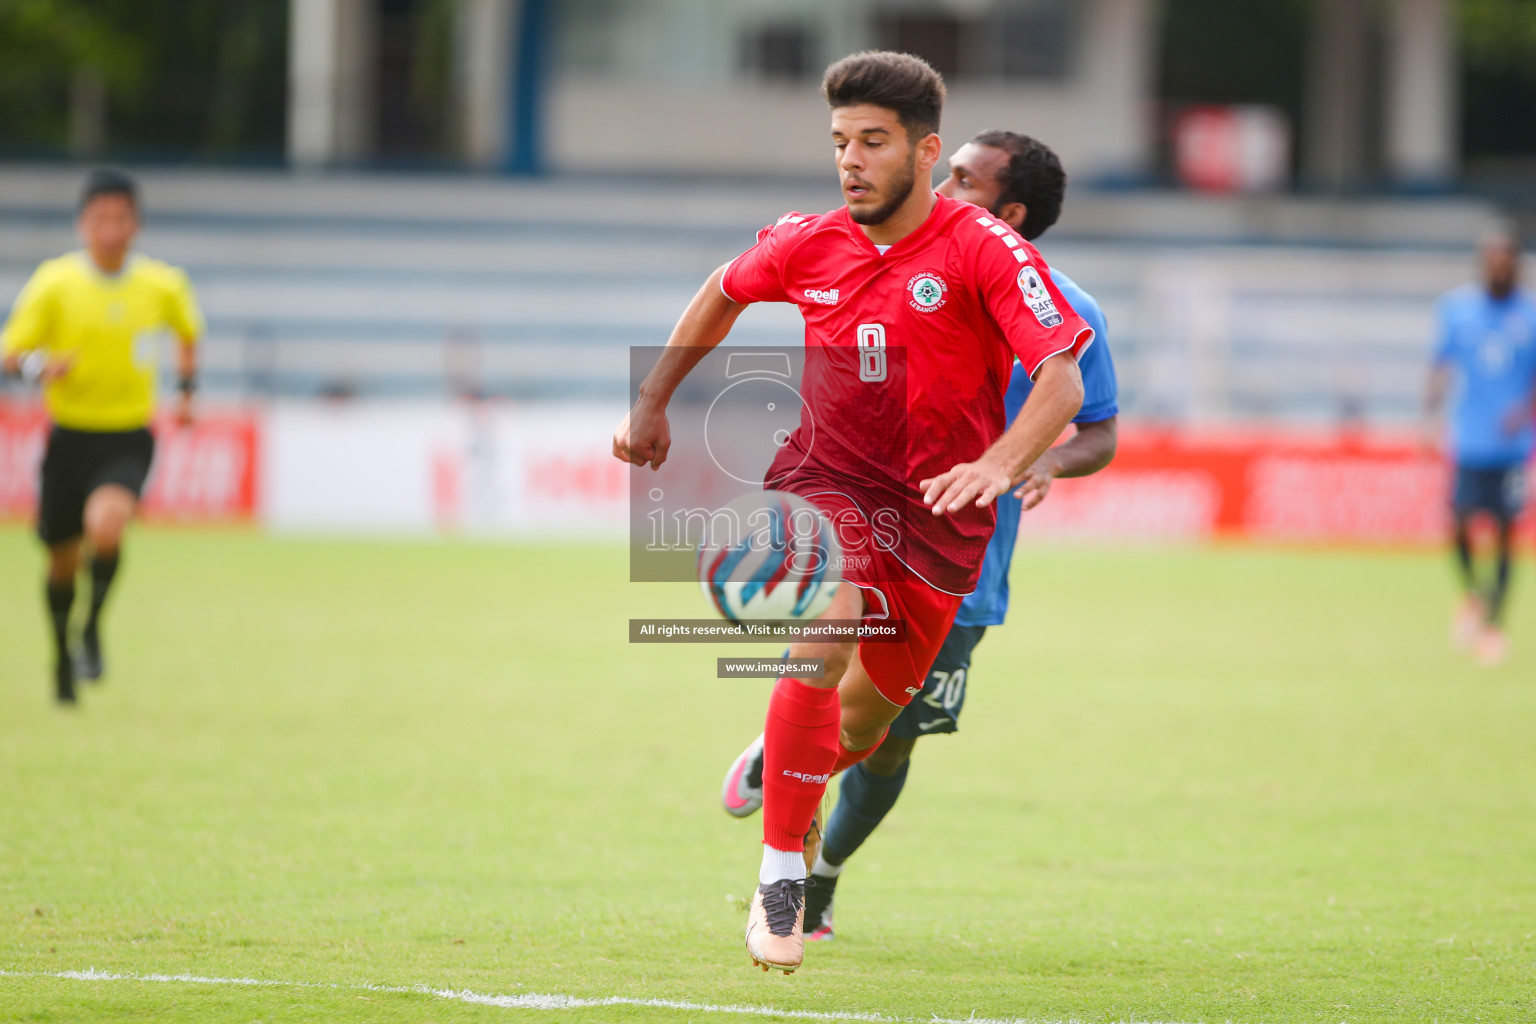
x,y
393,468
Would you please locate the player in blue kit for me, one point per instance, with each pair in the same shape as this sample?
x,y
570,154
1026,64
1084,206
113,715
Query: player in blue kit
x,y
1021,181
1485,367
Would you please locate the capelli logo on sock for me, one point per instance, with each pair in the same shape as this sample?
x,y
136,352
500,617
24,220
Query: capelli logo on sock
x,y
815,780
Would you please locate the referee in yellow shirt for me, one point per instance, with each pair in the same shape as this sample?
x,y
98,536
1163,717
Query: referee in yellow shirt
x,y
88,328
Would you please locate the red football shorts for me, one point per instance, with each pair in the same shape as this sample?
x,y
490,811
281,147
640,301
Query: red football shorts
x,y
892,592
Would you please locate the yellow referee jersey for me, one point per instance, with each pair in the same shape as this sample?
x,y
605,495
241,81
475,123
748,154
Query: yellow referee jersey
x,y
114,325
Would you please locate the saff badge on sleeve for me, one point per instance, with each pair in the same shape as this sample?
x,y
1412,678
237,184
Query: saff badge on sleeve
x,y
1038,297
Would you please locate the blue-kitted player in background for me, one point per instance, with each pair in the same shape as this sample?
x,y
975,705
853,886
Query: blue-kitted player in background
x,y
1485,367
1019,180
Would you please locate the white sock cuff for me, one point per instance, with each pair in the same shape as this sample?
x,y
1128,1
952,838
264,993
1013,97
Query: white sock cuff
x,y
825,870
781,864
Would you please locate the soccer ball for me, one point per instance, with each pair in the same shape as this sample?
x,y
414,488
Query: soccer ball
x,y
770,555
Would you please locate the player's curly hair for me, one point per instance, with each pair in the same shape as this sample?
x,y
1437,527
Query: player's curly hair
x,y
1034,177
899,82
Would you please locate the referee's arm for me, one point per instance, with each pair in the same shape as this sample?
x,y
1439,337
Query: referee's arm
x,y
24,348
186,378
185,318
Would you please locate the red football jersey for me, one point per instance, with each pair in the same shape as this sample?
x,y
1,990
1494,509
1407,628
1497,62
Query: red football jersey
x,y
908,355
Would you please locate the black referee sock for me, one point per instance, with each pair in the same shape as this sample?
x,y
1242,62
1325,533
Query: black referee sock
x,y
103,569
61,598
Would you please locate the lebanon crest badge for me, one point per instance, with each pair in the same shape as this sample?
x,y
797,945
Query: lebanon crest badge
x,y
926,291
1038,297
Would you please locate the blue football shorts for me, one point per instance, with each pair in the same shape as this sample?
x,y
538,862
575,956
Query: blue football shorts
x,y
937,708
1499,491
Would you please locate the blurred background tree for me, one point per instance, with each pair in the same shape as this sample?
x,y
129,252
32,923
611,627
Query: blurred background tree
x,y
58,57
157,79
1499,79
206,80
201,80
1254,52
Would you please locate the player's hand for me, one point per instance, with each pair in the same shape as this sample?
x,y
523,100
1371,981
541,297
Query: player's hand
x,y
58,366
184,416
39,367
970,482
643,437
1037,482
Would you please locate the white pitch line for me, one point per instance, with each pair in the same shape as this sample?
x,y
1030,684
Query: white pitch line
x,y
534,1001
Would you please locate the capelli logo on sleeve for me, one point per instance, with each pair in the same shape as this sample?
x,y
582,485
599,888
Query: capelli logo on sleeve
x,y
825,298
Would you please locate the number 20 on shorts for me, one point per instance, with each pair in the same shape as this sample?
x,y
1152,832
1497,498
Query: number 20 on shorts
x,y
872,352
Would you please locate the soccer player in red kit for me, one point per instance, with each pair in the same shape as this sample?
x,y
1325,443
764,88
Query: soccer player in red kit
x,y
915,306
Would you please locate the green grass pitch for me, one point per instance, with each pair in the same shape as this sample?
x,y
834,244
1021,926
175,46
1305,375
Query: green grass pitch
x,y
1192,785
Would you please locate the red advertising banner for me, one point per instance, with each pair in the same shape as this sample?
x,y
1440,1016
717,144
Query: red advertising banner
x,y
1263,486
201,474
547,474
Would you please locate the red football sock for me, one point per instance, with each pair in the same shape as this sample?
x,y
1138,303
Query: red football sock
x,y
799,749
848,758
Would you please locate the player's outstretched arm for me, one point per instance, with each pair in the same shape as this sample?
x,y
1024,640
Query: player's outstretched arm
x,y
37,366
644,436
1083,454
186,379
1056,398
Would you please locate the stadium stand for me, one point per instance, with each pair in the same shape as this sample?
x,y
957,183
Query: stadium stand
x,y
397,285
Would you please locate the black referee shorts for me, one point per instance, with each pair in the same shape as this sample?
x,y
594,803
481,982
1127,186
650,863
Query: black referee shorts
x,y
77,462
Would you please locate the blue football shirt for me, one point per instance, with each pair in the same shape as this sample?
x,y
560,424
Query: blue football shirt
x,y
988,603
1490,347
